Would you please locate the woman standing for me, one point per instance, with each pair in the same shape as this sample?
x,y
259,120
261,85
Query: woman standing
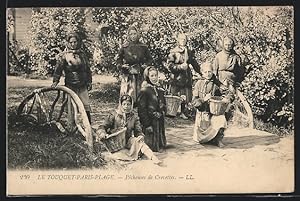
x,y
178,63
132,59
78,76
151,109
227,65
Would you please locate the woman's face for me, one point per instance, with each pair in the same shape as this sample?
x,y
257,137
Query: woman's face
x,y
207,72
133,35
73,43
228,45
153,76
126,105
181,41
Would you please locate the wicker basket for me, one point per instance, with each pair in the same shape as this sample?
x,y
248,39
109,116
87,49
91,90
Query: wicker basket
x,y
217,106
116,141
173,103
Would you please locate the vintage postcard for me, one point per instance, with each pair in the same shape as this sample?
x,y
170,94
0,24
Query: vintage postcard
x,y
150,100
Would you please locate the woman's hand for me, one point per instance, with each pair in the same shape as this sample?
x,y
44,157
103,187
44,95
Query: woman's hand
x,y
207,97
54,84
157,115
149,129
101,136
89,86
140,138
184,66
125,66
225,100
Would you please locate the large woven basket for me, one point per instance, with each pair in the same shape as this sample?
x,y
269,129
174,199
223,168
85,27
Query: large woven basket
x,y
173,103
217,106
116,141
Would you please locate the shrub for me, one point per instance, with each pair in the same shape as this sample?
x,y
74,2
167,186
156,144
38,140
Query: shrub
x,y
18,57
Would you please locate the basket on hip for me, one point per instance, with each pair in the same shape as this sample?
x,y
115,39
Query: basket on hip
x,y
173,103
116,141
217,106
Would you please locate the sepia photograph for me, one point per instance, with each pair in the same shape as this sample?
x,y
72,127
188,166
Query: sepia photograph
x,y
150,100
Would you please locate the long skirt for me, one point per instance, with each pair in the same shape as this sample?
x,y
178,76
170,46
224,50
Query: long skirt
x,y
207,126
134,145
179,91
82,93
131,85
131,151
156,140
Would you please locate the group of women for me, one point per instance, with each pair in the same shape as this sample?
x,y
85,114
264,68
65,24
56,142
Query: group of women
x,y
140,89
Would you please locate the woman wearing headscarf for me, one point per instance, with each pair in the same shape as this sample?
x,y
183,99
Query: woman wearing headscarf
x,y
227,65
75,65
132,59
178,63
151,110
124,117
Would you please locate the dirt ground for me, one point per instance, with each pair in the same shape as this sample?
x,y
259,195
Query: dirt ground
x,y
253,161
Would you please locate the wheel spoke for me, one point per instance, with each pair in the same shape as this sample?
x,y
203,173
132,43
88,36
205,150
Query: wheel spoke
x,y
53,105
33,102
62,109
42,106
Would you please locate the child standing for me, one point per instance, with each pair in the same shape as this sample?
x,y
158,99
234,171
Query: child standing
x,y
209,127
151,109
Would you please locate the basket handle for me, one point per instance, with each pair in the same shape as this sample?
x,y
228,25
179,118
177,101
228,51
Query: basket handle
x,y
116,133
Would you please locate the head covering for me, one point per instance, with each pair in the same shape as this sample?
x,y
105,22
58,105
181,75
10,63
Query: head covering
x,y
181,35
74,35
123,98
146,73
230,39
135,29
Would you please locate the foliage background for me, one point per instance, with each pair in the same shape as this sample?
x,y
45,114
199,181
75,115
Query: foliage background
x,y
264,39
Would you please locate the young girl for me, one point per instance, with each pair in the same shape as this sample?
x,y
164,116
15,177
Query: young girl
x,y
124,117
209,127
151,110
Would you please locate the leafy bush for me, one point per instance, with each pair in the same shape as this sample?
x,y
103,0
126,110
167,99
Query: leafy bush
x,y
269,86
18,58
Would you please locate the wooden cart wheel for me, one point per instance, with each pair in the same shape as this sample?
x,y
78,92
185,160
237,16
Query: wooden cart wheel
x,y
240,112
59,106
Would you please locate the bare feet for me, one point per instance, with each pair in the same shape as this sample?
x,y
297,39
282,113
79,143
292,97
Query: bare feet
x,y
182,116
156,160
220,144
